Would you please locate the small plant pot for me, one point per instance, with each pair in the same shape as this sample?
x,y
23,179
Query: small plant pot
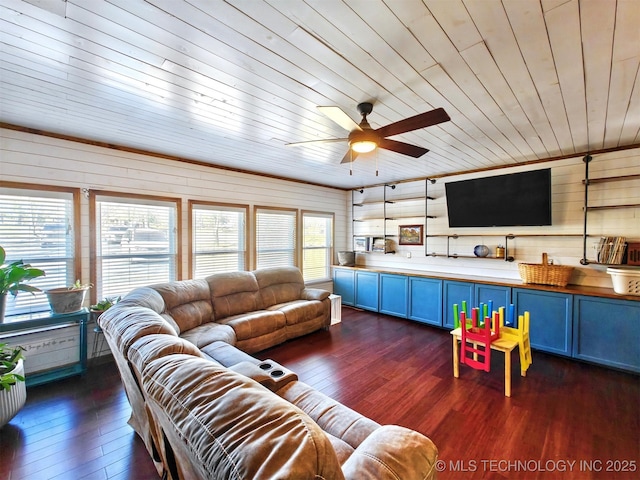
x,y
64,300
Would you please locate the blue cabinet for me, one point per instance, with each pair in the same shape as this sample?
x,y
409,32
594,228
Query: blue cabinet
x,y
498,294
394,294
456,292
599,330
367,290
425,300
551,318
607,331
344,284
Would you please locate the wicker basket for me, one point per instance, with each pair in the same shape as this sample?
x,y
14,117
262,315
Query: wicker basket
x,y
545,274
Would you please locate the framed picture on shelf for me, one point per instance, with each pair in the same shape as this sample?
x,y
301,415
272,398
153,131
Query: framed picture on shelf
x,y
411,235
361,244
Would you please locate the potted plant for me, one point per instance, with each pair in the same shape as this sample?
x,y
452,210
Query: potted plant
x,y
13,390
102,306
13,279
67,299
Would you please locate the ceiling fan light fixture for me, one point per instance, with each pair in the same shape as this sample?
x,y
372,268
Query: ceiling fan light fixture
x,y
363,146
363,141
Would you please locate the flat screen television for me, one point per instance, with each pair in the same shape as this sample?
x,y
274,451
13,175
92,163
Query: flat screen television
x,y
517,199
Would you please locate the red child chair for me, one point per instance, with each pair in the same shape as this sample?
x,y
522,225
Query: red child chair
x,y
476,340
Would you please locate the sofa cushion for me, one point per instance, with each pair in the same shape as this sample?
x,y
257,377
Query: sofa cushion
x,y
279,284
255,323
209,333
228,426
233,293
227,355
187,301
300,311
333,417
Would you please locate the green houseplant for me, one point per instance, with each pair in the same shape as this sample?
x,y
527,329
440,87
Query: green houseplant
x,y
13,279
13,390
102,306
105,304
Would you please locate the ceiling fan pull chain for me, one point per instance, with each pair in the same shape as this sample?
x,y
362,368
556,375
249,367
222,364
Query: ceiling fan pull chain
x,y
351,162
376,162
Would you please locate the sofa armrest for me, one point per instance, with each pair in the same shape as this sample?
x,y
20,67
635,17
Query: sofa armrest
x,y
393,452
314,294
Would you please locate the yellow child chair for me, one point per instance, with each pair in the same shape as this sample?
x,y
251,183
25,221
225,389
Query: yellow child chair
x,y
521,335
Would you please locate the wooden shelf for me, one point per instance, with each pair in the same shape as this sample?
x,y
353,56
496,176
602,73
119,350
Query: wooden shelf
x,y
612,207
591,181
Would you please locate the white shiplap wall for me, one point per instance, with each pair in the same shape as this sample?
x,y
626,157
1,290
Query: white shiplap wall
x,y
568,200
37,159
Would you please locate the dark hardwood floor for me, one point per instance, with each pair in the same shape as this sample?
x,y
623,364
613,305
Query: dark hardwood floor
x,y
564,420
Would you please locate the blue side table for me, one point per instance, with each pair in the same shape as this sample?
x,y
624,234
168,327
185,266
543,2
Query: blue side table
x,y
21,325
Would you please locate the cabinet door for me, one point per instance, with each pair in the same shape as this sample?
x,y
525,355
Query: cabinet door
x,y
344,285
456,292
499,295
394,294
367,290
425,300
607,331
551,318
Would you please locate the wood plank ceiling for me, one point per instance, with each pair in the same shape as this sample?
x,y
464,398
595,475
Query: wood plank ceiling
x,y
230,82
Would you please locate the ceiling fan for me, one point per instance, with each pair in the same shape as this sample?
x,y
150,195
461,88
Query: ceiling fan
x,y
362,138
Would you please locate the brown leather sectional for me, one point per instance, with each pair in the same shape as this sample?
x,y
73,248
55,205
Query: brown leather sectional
x,y
206,409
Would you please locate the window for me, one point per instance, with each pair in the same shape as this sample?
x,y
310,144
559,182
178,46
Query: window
x,y
38,227
218,235
135,242
275,237
317,245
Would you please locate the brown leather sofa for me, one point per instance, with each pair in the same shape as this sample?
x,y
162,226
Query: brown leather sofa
x,y
208,410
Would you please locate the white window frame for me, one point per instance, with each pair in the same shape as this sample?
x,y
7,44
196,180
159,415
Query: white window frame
x,y
240,233
308,246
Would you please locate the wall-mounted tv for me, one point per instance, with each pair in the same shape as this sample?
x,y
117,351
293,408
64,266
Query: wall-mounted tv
x,y
517,199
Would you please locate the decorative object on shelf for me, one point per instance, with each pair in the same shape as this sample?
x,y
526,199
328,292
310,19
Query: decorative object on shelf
x,y
633,254
13,390
499,251
611,250
13,279
67,299
626,280
481,251
347,259
381,245
545,274
362,244
410,235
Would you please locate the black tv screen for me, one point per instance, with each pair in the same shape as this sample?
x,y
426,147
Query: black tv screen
x,y
517,199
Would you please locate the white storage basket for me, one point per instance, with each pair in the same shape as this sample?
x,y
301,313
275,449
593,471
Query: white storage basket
x,y
626,280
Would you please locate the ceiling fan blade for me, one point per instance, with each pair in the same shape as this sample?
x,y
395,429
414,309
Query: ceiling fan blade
x,y
337,115
416,122
401,147
311,142
350,156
